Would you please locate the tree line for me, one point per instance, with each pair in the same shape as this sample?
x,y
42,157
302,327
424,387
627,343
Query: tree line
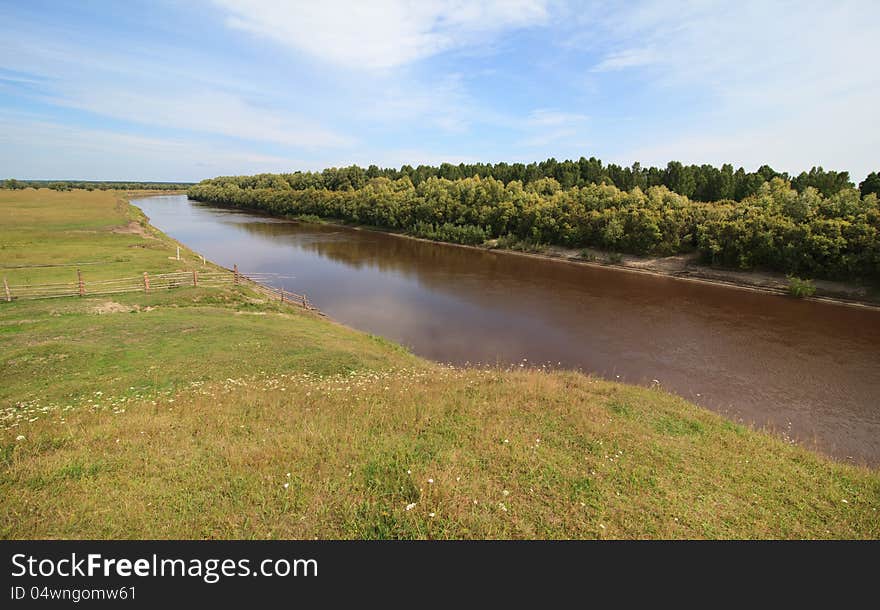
x,y
697,182
90,185
780,226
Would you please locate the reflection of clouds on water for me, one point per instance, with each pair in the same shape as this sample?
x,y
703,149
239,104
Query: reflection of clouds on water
x,y
764,358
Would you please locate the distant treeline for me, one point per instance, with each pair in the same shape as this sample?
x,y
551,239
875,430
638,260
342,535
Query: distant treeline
x,y
823,229
697,182
89,185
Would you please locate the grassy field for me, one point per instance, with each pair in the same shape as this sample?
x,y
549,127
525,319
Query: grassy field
x,y
211,413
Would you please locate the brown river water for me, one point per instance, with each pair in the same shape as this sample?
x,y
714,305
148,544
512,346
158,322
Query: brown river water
x,y
809,371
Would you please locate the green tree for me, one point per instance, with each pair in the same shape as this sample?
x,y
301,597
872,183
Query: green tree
x,y
871,184
680,179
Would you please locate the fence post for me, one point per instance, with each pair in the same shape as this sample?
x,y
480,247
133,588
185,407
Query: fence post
x,y
203,261
195,278
281,292
79,279
305,301
146,282
178,252
235,270
6,286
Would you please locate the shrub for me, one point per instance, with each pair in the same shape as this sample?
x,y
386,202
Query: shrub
x,y
470,235
800,288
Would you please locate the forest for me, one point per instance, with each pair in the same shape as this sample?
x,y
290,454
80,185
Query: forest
x,y
90,185
697,182
818,226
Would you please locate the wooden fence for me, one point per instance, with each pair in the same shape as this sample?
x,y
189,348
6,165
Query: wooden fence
x,y
257,282
147,283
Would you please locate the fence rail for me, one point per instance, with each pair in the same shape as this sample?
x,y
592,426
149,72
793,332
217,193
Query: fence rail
x,y
151,282
256,281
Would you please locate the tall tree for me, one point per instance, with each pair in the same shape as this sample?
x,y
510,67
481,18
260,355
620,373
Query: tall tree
x,y
871,184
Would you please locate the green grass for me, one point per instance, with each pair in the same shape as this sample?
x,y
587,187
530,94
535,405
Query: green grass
x,y
166,341
98,229
210,413
800,288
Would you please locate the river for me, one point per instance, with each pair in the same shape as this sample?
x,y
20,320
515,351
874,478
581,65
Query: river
x,y
807,370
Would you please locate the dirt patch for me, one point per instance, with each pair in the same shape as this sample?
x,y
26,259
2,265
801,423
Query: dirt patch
x,y
688,267
134,228
113,307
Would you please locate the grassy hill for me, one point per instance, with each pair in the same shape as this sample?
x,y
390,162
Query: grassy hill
x,y
213,413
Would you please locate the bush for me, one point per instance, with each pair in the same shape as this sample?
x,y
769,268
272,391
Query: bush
x,y
469,235
512,242
800,288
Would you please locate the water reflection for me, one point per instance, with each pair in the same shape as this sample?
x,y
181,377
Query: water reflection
x,y
807,368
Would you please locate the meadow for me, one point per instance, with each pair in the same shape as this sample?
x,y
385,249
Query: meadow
x,y
214,413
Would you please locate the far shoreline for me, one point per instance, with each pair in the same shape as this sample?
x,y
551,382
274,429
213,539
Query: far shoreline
x,y
678,267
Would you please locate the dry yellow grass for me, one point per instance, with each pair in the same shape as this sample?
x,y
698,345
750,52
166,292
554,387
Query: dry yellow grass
x,y
421,452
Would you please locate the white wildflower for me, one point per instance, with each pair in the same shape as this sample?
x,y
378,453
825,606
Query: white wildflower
x,y
410,506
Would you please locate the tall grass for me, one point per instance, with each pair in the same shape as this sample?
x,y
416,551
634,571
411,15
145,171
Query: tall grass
x,y
800,288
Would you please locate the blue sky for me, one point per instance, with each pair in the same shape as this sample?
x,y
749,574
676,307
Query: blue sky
x,y
166,90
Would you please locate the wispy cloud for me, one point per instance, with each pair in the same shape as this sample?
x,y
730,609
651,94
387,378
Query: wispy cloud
x,y
546,127
383,34
628,58
129,87
782,72
230,86
443,102
207,111
35,148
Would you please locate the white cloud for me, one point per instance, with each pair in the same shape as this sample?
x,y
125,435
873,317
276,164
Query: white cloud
x,y
629,58
844,143
442,103
401,156
207,111
548,128
787,83
39,149
381,34
159,93
545,117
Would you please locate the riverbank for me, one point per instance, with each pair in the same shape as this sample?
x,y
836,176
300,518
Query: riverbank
x,y
213,413
688,268
685,267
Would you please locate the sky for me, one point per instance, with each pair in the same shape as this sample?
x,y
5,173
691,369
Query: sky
x,y
182,91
